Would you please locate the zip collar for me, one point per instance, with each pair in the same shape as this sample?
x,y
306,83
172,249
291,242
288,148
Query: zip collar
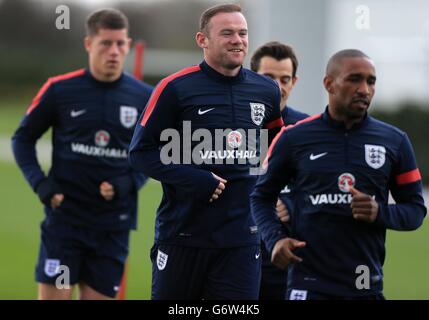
x,y
106,84
326,117
212,73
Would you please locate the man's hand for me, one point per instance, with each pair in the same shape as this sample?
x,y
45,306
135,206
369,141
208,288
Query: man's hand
x,y
107,191
219,189
364,207
282,212
50,193
56,200
282,252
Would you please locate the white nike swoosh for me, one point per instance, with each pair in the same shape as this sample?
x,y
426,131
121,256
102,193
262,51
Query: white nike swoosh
x,y
317,156
75,114
200,112
257,255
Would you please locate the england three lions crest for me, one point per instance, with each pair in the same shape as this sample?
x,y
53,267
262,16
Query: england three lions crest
x,y
375,156
257,112
52,267
128,116
161,260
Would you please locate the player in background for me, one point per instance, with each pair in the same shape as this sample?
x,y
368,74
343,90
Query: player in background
x,y
279,62
90,192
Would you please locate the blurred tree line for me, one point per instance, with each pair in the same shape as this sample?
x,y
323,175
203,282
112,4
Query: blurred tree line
x,y
32,49
413,118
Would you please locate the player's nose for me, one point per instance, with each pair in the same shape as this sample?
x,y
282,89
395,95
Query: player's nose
x,y
363,88
114,49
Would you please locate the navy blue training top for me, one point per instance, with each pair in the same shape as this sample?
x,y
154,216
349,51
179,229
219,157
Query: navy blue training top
x,y
200,101
324,159
92,124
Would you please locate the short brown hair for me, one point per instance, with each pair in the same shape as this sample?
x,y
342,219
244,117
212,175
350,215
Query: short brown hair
x,y
276,50
211,12
105,19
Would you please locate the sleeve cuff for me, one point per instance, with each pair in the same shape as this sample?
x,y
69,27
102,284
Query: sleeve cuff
x,y
46,189
123,185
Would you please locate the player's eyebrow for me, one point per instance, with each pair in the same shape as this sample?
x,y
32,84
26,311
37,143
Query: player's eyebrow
x,y
233,30
361,75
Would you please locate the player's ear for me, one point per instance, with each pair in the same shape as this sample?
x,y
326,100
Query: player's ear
x,y
327,82
129,43
294,80
201,40
87,43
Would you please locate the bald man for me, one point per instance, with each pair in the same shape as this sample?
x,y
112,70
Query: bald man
x,y
344,163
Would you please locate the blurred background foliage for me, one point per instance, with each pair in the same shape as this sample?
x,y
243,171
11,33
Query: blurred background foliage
x,y
413,118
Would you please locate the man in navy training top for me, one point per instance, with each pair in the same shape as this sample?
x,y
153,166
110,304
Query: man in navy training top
x,y
343,163
206,241
278,61
90,193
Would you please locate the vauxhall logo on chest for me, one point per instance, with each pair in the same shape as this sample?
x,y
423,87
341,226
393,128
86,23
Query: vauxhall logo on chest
x,y
102,138
345,181
100,149
375,157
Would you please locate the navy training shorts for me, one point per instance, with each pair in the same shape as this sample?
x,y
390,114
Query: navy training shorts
x,y
94,257
185,273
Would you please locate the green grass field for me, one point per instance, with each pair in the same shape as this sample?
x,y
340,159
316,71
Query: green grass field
x,y
406,265
21,215
10,115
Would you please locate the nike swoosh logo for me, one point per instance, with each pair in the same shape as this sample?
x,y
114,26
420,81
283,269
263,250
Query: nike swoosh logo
x,y
75,114
200,112
257,255
317,156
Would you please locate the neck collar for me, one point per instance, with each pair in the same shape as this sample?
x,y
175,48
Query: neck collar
x,y
212,73
326,117
103,83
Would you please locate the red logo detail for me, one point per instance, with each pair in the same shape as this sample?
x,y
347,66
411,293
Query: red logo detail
x,y
345,181
102,138
234,139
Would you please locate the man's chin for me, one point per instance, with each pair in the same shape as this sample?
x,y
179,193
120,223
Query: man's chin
x,y
359,106
357,114
112,74
231,67
233,64
112,68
